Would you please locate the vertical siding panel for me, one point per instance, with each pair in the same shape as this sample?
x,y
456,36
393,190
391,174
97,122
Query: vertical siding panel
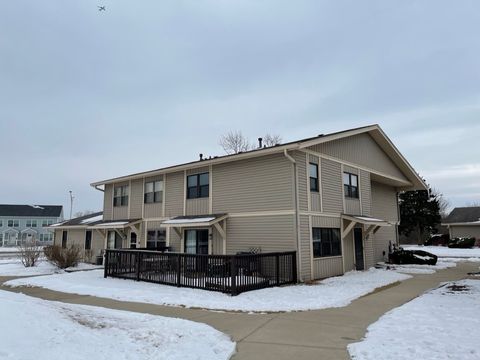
x,y
108,202
174,194
136,199
332,187
384,203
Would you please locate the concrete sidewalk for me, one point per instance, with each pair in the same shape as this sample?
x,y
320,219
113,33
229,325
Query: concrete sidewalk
x,y
318,334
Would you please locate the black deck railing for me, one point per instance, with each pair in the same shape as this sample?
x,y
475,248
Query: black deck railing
x,y
231,274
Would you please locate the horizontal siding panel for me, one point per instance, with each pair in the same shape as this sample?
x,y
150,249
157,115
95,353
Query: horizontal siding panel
x,y
366,192
197,206
352,206
136,199
257,184
154,210
305,247
465,231
362,150
269,233
325,221
108,202
302,172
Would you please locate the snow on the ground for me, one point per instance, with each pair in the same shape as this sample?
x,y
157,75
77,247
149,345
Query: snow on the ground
x,y
443,251
8,249
14,267
333,292
45,330
421,269
441,324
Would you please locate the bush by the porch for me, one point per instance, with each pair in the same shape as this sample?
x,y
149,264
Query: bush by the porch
x,y
63,257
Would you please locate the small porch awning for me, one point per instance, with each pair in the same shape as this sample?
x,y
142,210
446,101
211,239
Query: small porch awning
x,y
115,224
371,224
194,221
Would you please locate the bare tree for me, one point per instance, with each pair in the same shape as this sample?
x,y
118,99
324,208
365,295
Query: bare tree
x,y
473,204
272,140
234,142
443,204
29,252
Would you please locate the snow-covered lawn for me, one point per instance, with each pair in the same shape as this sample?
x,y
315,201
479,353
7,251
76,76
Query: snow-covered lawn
x,y
441,324
14,267
333,292
44,330
443,251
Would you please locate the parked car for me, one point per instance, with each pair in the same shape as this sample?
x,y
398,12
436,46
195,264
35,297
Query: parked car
x,y
461,243
420,257
438,240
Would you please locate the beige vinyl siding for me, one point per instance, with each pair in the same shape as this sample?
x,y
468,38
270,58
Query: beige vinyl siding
x,y
384,203
76,237
257,184
465,231
267,233
305,249
369,250
197,206
315,197
175,241
108,202
362,150
153,210
217,242
326,267
352,206
174,194
332,192
303,180
136,199
365,192
348,252
121,212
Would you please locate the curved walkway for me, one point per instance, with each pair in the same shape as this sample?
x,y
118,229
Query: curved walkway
x,y
319,334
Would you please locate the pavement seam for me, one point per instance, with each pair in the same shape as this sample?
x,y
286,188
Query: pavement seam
x,y
256,329
295,345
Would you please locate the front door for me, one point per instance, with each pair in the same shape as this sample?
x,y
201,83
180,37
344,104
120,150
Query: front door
x,y
196,241
133,240
358,240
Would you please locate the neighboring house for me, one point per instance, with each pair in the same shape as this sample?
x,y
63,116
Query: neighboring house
x,y
332,198
22,222
464,222
79,232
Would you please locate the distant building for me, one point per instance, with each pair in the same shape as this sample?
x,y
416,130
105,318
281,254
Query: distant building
x,y
22,222
464,222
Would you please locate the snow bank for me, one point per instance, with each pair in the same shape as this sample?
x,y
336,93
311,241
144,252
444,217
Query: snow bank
x,y
44,330
441,324
333,292
14,267
442,251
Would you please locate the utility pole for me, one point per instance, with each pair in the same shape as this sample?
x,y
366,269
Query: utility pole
x,y
71,203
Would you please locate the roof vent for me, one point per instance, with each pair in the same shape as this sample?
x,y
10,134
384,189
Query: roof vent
x,y
260,143
201,157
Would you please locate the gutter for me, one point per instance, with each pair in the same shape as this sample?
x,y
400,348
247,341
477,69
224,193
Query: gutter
x,y
99,189
297,215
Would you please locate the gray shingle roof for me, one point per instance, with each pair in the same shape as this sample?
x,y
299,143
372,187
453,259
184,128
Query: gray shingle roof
x,y
81,220
31,210
463,214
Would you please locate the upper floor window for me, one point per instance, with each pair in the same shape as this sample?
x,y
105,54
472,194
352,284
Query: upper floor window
x,y
120,196
153,192
31,223
13,223
350,185
313,177
197,186
46,222
326,242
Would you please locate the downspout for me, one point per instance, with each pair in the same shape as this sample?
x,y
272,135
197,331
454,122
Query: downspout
x,y
97,188
297,215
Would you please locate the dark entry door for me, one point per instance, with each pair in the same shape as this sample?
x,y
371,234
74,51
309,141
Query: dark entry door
x,y
357,237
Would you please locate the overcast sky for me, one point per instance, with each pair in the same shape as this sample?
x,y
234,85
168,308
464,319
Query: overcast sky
x,y
88,95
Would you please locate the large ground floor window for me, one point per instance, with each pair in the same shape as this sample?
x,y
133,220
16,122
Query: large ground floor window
x,y
326,242
156,239
196,241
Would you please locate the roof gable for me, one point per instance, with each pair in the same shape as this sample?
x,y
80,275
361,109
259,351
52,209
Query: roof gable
x,y
31,210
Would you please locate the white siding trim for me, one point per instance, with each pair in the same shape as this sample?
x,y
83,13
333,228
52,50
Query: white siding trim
x,y
343,187
129,197
143,198
311,245
210,189
316,213
359,176
263,213
164,194
320,187
184,192
307,171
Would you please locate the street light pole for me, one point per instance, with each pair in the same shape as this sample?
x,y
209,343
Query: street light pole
x,y
71,203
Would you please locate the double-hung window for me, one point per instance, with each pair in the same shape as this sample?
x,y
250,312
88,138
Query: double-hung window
x,y
156,239
31,223
197,186
46,222
326,242
313,177
350,185
13,223
120,197
153,192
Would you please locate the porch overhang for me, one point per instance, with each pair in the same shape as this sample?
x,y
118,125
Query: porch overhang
x,y
194,221
115,224
371,224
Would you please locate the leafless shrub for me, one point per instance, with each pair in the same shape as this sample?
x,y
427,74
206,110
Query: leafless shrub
x,y
29,252
63,257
